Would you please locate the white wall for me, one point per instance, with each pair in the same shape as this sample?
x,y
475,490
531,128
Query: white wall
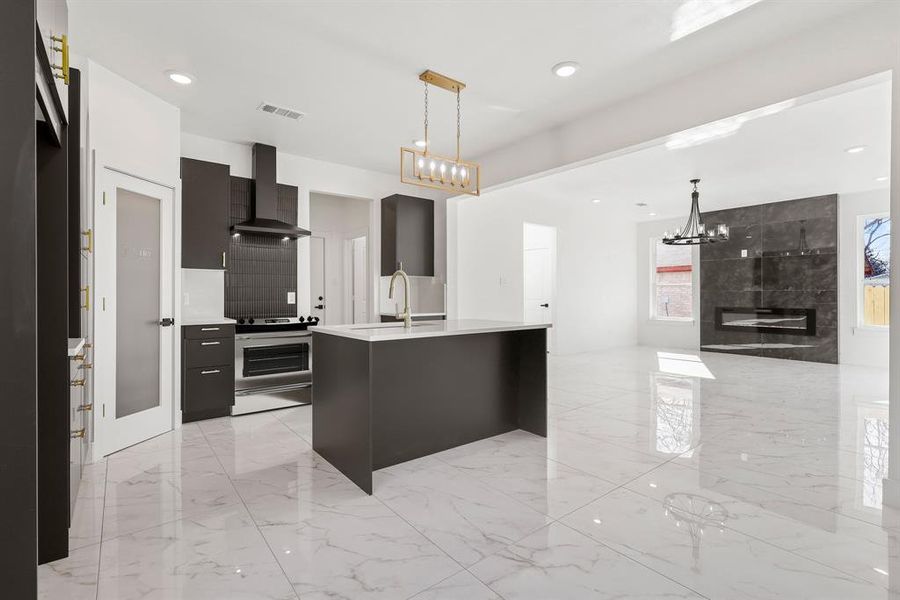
x,y
857,345
595,294
339,219
655,332
311,175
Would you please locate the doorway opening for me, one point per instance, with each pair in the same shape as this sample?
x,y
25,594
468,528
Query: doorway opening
x,y
539,264
339,259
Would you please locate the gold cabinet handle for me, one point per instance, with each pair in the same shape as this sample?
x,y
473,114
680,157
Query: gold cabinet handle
x,y
89,234
78,433
78,357
87,298
77,382
63,41
87,365
85,407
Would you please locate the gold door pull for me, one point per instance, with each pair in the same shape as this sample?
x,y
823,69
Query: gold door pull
x,y
78,433
87,297
63,41
85,407
77,382
89,234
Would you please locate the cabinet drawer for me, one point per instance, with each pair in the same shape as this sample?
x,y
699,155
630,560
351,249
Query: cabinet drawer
x,y
208,390
203,332
208,352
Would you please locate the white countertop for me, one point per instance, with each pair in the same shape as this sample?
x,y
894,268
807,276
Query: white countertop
x,y
208,321
382,332
75,346
415,315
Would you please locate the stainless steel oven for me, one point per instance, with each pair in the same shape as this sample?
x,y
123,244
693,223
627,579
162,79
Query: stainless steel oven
x,y
276,361
272,364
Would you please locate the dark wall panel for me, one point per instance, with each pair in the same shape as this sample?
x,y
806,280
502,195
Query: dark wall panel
x,y
18,302
791,262
261,269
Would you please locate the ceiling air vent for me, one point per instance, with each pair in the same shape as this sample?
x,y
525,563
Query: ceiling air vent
x,y
281,111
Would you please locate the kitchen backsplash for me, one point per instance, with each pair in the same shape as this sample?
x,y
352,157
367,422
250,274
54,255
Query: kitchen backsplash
x,y
261,269
203,293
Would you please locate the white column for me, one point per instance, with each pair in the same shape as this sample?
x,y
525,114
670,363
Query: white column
x,y
891,491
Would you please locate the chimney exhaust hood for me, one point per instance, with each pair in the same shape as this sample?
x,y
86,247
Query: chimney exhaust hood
x,y
264,218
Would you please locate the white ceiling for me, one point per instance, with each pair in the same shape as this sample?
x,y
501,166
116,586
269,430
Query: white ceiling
x,y
798,152
352,67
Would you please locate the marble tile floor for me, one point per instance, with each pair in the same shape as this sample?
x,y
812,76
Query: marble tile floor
x,y
665,475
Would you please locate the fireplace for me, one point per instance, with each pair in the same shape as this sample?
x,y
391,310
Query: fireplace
x,y
792,321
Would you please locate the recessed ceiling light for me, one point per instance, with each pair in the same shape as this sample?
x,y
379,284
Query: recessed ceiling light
x,y
652,214
180,78
882,178
596,201
419,143
879,571
855,149
565,69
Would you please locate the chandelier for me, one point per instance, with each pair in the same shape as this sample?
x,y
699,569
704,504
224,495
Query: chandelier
x,y
694,231
426,169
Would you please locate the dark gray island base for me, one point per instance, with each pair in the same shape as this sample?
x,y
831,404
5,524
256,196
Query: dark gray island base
x,y
384,395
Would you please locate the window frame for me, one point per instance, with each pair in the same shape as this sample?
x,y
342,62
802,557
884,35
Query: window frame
x,y
860,279
654,242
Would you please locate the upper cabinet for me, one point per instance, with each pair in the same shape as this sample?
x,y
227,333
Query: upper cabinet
x,y
204,214
407,235
53,22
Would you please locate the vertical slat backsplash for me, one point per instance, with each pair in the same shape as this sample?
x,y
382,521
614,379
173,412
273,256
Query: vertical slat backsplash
x,y
261,269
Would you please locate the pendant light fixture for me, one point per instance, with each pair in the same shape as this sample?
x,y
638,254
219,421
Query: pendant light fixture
x,y
695,231
420,166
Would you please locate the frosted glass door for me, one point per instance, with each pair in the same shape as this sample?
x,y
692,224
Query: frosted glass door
x,y
134,324
137,289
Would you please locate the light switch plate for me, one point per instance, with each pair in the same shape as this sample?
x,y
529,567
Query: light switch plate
x,y
743,254
292,297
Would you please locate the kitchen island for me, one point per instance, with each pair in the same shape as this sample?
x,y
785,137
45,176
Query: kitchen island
x,y
384,394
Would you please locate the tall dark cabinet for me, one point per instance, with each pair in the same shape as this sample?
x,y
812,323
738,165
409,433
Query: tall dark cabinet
x,y
18,302
407,235
204,214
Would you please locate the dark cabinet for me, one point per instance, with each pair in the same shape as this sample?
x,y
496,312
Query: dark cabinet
x,y
207,371
407,235
204,214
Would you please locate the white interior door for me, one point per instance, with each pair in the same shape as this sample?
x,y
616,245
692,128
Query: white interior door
x,y
317,277
360,288
134,342
539,256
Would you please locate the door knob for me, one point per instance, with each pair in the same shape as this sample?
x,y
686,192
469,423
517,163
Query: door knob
x,y
167,322
545,306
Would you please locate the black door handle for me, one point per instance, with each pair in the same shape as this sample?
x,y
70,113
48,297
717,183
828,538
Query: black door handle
x,y
320,306
545,306
167,322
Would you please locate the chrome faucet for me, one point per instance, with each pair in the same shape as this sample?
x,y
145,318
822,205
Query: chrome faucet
x,y
407,318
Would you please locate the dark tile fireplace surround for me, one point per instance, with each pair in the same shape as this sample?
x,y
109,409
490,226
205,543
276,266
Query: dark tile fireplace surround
x,y
771,289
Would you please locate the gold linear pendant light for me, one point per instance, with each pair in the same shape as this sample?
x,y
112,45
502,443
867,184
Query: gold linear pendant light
x,y
423,168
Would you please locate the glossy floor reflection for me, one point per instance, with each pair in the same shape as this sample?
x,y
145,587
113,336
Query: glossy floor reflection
x,y
665,475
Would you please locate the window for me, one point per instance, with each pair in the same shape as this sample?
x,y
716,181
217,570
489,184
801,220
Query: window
x,y
673,284
876,270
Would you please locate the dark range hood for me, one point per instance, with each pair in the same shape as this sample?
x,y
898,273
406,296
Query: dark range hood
x,y
264,220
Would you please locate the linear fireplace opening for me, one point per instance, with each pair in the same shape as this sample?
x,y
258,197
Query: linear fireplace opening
x,y
796,321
